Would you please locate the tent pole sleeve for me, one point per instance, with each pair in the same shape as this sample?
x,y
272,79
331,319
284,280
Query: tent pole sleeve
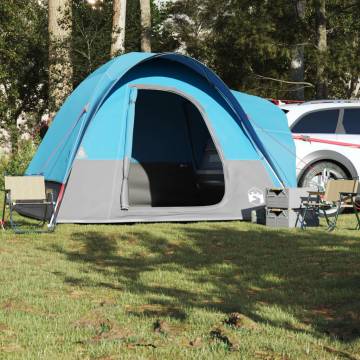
x,y
130,118
57,206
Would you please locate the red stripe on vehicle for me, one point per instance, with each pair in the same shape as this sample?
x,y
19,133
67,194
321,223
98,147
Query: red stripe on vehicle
x,y
322,141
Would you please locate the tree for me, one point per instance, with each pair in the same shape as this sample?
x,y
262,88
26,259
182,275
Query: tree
x,y
343,67
321,78
23,69
297,58
91,34
145,11
60,65
244,41
118,27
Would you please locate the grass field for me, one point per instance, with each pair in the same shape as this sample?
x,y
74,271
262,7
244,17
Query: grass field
x,y
165,291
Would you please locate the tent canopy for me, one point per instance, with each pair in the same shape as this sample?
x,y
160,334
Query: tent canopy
x,y
143,108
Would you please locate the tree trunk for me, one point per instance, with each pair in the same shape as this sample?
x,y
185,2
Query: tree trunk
x,y
145,10
321,79
297,61
356,89
118,28
60,66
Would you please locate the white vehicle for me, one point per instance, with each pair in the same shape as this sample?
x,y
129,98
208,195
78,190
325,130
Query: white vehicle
x,y
327,139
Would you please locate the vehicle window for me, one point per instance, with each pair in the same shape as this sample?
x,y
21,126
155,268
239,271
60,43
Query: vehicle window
x,y
351,121
320,122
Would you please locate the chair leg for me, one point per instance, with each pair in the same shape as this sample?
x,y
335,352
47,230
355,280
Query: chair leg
x,y
19,230
326,218
12,222
45,213
356,211
3,213
304,213
332,223
298,216
303,217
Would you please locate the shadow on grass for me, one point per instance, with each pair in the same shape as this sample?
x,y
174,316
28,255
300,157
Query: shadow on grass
x,y
312,276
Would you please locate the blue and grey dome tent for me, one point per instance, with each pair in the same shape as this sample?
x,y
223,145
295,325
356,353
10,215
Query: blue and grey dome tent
x,y
159,137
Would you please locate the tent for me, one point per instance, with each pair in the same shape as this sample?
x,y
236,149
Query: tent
x,y
160,137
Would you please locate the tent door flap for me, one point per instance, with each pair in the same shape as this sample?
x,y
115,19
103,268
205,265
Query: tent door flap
x,y
129,129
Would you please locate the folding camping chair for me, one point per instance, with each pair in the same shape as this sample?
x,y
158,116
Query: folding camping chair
x,y
339,193
28,191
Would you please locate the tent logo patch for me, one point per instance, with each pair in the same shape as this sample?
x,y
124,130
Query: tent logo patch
x,y
256,196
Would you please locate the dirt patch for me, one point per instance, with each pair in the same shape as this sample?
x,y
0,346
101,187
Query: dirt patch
x,y
157,311
324,312
93,321
343,354
171,250
77,294
240,321
6,332
107,302
105,331
9,348
161,327
197,342
252,291
343,329
3,328
114,333
131,239
15,305
6,251
267,355
222,335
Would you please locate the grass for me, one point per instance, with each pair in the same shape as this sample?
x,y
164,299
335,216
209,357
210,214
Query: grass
x,y
163,291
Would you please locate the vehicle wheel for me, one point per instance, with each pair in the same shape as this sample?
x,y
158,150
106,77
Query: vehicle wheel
x,y
313,177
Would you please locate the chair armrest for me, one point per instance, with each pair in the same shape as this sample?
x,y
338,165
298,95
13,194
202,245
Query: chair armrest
x,y
313,192
349,193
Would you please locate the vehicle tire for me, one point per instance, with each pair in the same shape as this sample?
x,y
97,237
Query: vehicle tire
x,y
312,177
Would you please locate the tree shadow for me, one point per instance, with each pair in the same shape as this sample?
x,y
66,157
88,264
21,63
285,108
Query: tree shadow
x,y
313,276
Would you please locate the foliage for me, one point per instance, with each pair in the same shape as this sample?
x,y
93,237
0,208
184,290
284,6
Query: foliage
x,y
23,66
92,34
248,41
161,39
91,39
17,162
163,291
133,27
344,52
239,39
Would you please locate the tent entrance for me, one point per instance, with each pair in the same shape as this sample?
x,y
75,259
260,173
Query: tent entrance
x,y
174,161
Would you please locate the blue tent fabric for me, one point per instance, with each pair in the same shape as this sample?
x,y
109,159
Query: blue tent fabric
x,y
55,166
271,126
92,124
93,90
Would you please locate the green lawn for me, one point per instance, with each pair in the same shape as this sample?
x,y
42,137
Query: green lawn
x,y
163,291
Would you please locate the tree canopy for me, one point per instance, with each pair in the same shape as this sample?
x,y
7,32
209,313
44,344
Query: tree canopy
x,y
249,43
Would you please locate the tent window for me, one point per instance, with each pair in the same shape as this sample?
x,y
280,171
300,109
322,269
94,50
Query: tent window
x,y
174,159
